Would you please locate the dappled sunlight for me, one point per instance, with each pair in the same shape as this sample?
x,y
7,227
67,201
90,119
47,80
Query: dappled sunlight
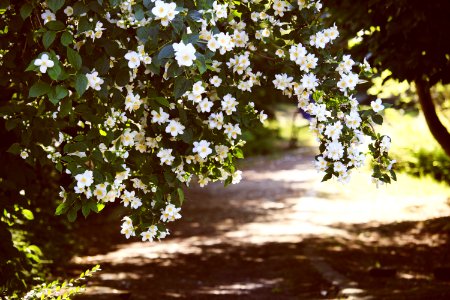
x,y
281,215
138,252
241,288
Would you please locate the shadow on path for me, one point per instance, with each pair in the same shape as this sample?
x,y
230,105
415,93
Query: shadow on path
x,y
269,238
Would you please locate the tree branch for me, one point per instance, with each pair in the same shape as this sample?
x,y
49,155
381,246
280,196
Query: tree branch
x,y
438,130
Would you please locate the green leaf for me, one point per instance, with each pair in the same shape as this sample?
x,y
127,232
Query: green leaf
x,y
61,92
14,148
85,209
55,25
55,5
174,70
123,77
177,24
327,176
143,33
201,66
74,58
181,86
377,119
81,83
161,100
102,65
72,215
26,10
66,107
12,123
93,206
100,207
166,52
138,12
238,153
28,214
54,71
32,66
393,175
66,39
180,195
57,93
62,208
48,38
80,8
38,89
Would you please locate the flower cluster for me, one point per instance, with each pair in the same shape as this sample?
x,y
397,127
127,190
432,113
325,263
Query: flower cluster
x,y
147,95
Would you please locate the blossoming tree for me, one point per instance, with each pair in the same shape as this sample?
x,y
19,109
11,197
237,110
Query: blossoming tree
x,y
130,100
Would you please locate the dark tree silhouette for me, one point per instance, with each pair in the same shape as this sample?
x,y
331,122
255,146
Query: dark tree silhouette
x,y
408,37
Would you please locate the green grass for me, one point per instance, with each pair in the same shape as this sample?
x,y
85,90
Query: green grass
x,y
409,133
413,146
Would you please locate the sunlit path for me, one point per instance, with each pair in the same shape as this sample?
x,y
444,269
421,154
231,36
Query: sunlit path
x,y
256,240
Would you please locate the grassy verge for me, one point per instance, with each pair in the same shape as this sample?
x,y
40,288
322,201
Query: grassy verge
x,y
413,146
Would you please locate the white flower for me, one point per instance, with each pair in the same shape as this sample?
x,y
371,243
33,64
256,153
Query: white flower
x,y
229,104
48,16
135,203
24,154
175,128
68,11
232,130
205,105
353,120
335,150
159,117
202,148
133,59
333,131
127,227
339,167
184,54
351,80
127,137
320,111
236,177
150,234
132,102
262,116
213,45
43,63
198,88
321,164
309,81
222,152
84,179
94,81
220,10
165,156
164,11
100,191
282,81
385,144
215,81
161,9
170,213
279,53
377,106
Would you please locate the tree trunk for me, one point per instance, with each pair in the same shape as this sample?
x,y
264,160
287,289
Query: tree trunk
x,y
438,130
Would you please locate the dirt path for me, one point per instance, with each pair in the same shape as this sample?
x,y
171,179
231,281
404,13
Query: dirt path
x,y
281,234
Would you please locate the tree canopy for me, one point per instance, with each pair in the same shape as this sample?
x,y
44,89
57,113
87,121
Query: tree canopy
x,y
127,101
406,37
